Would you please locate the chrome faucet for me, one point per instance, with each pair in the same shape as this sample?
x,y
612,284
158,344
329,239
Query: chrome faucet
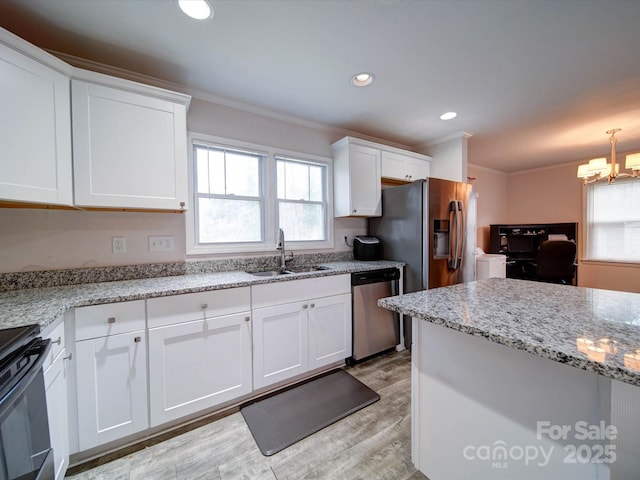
x,y
280,246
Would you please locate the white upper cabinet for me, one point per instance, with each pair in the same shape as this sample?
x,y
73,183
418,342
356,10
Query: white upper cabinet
x,y
356,179
404,167
35,124
129,144
358,168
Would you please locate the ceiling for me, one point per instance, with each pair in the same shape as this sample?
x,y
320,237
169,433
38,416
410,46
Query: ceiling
x,y
536,83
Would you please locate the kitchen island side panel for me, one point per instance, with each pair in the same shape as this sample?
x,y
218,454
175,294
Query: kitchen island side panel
x,y
486,411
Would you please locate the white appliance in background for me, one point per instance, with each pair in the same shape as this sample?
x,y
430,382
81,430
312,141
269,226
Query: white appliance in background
x,y
489,265
430,225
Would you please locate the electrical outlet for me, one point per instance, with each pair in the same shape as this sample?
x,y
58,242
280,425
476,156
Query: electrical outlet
x,y
161,244
118,244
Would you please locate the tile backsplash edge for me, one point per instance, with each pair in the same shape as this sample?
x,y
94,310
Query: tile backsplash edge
x,y
74,276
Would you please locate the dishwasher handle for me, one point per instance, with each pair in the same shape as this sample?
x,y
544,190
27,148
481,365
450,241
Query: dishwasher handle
x,y
375,276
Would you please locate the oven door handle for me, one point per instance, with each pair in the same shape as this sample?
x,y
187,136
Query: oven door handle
x,y
39,347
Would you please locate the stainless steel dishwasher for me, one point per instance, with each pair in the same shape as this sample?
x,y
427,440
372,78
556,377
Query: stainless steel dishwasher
x,y
375,329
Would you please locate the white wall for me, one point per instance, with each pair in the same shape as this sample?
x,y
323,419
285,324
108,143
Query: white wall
x,y
39,239
33,239
491,188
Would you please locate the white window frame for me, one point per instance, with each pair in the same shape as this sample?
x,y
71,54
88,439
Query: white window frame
x,y
328,214
270,226
588,229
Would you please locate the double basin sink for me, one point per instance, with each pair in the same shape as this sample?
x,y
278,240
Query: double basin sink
x,y
290,271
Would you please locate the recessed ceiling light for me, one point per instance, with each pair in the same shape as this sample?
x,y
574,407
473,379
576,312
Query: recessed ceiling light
x,y
362,79
448,116
197,9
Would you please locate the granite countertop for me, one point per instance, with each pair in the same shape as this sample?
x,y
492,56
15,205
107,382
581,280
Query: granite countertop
x,y
44,305
540,318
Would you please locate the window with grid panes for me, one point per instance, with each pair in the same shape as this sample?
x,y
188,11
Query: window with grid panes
x,y
613,221
229,195
301,199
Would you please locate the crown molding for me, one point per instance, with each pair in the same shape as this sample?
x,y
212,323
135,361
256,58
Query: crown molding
x,y
487,169
448,138
83,63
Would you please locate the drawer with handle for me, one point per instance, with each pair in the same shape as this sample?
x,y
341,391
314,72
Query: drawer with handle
x,y
163,311
56,335
109,319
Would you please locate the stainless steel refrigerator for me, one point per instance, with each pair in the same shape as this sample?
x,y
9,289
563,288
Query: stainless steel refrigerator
x,y
431,226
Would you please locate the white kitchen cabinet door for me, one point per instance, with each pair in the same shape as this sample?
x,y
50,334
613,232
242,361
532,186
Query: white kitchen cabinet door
x,y
55,380
356,180
35,128
403,167
280,343
417,169
112,388
197,365
392,166
330,330
129,149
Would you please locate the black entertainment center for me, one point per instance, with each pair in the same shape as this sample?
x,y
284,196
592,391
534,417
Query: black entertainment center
x,y
520,243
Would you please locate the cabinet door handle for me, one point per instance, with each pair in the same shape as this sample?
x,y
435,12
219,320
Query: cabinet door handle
x,y
204,306
182,204
137,339
247,319
68,357
313,305
355,210
58,341
305,306
111,320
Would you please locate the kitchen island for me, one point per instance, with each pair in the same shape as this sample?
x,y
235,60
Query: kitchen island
x,y
518,379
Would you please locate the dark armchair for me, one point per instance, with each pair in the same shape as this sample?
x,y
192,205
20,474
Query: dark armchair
x,y
555,261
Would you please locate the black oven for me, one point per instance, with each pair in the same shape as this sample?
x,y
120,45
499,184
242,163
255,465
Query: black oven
x,y
25,447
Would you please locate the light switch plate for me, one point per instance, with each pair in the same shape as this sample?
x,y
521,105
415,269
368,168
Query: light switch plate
x,y
161,243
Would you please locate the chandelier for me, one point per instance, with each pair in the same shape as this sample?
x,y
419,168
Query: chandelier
x,y
598,168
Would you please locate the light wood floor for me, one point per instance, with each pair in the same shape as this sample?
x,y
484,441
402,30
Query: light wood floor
x,y
373,443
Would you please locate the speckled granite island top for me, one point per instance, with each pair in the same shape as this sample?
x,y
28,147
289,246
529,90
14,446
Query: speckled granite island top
x,y
44,305
540,318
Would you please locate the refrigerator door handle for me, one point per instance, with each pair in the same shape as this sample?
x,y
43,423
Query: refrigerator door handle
x,y
460,234
453,236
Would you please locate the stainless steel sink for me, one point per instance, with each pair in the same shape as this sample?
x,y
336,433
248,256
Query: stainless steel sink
x,y
290,270
306,268
270,273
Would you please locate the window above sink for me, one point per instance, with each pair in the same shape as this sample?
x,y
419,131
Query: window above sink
x,y
244,193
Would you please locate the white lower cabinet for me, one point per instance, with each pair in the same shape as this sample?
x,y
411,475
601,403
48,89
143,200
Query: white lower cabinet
x,y
330,330
281,347
55,380
199,352
308,332
111,371
197,365
204,349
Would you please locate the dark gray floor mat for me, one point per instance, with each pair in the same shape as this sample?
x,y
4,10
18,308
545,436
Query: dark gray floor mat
x,y
284,418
